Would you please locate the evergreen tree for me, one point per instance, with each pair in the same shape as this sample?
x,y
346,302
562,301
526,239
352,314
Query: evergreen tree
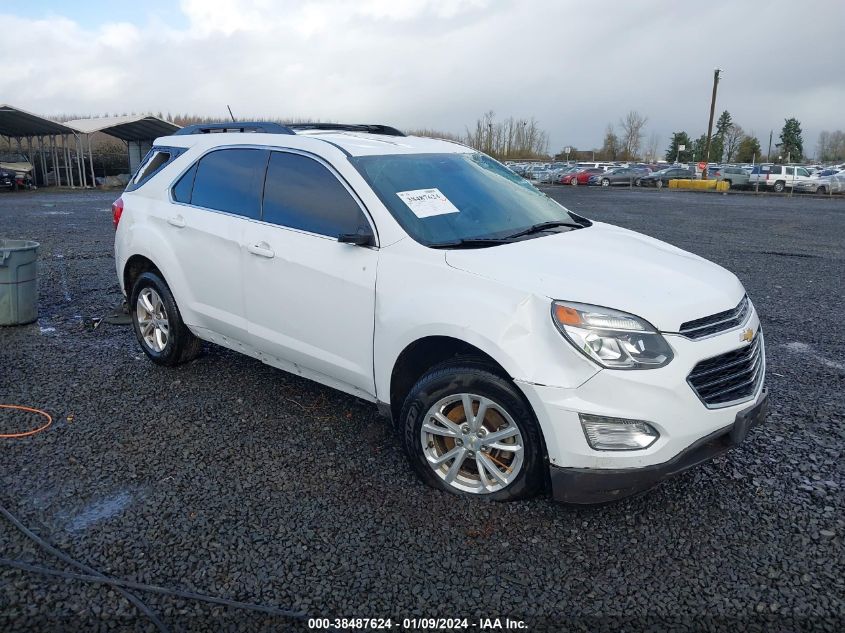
x,y
717,142
791,142
749,150
672,153
698,148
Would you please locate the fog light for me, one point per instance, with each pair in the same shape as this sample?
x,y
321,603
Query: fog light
x,y
617,434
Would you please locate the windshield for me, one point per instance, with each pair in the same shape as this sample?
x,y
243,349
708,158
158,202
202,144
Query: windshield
x,y
446,198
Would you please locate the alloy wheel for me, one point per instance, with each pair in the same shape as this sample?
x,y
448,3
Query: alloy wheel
x,y
152,320
472,443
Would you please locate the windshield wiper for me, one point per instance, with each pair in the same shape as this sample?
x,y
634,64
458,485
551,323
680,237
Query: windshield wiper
x,y
472,242
544,226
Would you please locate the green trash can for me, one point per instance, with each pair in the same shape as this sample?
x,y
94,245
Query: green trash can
x,y
18,282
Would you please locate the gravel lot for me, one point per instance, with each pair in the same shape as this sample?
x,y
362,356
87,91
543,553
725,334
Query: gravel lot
x,y
229,478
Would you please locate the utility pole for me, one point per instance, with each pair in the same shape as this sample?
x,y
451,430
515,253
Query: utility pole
x,y
769,152
710,124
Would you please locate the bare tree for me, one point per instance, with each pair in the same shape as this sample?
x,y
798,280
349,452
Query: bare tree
x,y
653,147
610,147
732,138
511,138
632,133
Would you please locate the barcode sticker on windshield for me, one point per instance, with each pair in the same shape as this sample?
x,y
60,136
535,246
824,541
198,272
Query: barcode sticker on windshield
x,y
427,202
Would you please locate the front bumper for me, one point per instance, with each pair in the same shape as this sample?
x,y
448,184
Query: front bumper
x,y
591,485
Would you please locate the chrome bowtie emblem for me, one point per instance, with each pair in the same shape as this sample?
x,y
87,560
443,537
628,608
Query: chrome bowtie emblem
x,y
747,335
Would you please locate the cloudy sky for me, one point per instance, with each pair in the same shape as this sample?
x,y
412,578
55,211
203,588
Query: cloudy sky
x,y
575,66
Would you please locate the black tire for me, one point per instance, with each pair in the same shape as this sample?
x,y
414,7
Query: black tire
x,y
730,184
821,190
468,376
779,186
181,345
605,182
658,183
638,183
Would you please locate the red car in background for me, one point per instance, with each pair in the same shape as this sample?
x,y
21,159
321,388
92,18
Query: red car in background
x,y
580,177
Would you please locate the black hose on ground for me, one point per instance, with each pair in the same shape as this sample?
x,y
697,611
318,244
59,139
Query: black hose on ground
x,y
47,547
93,576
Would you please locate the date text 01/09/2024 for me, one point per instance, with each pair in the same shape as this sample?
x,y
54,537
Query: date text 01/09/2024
x,y
414,624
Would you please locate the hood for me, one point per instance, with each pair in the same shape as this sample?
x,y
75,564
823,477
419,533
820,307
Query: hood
x,y
612,267
20,167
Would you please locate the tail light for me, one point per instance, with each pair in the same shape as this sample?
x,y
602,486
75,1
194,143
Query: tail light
x,y
116,211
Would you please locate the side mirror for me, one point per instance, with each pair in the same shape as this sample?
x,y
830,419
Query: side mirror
x,y
358,239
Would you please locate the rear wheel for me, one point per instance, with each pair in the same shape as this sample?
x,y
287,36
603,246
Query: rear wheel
x,y
729,183
470,432
658,183
158,325
821,190
605,182
779,186
574,181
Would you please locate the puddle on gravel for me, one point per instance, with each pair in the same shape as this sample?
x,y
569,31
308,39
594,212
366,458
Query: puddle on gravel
x,y
99,511
804,349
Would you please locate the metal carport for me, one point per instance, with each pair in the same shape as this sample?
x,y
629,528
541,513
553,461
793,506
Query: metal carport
x,y
137,131
47,142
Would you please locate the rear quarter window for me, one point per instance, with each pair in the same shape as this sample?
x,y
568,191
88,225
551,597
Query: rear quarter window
x,y
155,160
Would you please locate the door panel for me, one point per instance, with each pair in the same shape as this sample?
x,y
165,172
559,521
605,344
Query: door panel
x,y
311,302
309,298
208,245
213,202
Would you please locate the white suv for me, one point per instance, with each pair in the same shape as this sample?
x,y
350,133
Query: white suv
x,y
778,177
515,344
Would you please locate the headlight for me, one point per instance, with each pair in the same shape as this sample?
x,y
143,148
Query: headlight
x,y
613,339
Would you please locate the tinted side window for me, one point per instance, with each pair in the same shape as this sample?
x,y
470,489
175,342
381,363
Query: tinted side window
x,y
302,194
230,180
182,189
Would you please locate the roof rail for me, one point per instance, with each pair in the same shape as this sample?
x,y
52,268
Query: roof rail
x,y
264,127
348,127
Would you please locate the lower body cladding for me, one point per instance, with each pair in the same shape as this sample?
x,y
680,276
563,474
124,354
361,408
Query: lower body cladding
x,y
622,432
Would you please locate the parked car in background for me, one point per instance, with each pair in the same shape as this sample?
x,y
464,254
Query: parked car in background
x,y
828,171
7,179
777,177
833,183
736,177
19,165
565,172
661,178
581,177
620,176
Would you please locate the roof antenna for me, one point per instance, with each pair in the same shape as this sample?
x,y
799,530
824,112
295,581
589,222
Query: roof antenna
x,y
230,113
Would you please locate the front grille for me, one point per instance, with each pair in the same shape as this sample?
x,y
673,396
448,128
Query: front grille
x,y
730,377
715,323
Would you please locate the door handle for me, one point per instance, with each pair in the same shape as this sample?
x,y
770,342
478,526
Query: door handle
x,y
262,250
177,221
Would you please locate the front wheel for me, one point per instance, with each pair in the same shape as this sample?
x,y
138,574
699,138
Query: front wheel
x,y
158,325
470,432
821,190
659,184
574,182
